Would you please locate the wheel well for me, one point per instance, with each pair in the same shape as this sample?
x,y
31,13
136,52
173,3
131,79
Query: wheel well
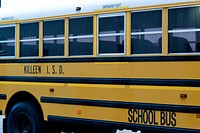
x,y
23,96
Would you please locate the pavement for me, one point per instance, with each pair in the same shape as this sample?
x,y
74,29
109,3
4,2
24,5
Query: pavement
x,y
127,131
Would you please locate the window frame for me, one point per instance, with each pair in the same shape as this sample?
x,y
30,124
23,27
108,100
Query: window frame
x,y
10,41
53,38
81,36
112,34
29,40
181,31
146,32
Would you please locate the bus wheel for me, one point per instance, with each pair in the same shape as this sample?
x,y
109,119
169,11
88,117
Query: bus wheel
x,y
24,118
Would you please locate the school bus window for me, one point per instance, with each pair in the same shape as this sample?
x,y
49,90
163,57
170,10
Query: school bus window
x,y
184,30
146,32
53,38
29,39
111,34
81,36
7,41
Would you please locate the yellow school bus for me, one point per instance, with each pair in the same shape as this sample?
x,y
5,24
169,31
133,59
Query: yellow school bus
x,y
101,66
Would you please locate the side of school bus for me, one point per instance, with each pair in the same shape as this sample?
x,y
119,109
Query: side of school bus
x,y
101,66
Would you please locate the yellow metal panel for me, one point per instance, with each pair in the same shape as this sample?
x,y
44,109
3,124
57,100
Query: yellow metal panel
x,y
128,33
31,83
40,38
156,70
17,43
146,94
165,31
147,117
164,94
95,37
126,93
14,21
66,37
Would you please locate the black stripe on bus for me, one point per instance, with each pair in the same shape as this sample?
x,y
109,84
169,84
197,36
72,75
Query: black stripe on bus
x,y
0,112
3,96
117,81
106,59
120,125
120,104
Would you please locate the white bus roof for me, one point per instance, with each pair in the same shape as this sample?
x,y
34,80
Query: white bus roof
x,y
63,7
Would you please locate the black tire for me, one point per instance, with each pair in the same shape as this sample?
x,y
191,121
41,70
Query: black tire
x,y
24,117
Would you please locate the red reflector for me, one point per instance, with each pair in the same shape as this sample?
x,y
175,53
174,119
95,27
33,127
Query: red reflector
x,y
78,112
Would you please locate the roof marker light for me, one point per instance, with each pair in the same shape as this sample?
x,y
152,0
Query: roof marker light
x,y
78,8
